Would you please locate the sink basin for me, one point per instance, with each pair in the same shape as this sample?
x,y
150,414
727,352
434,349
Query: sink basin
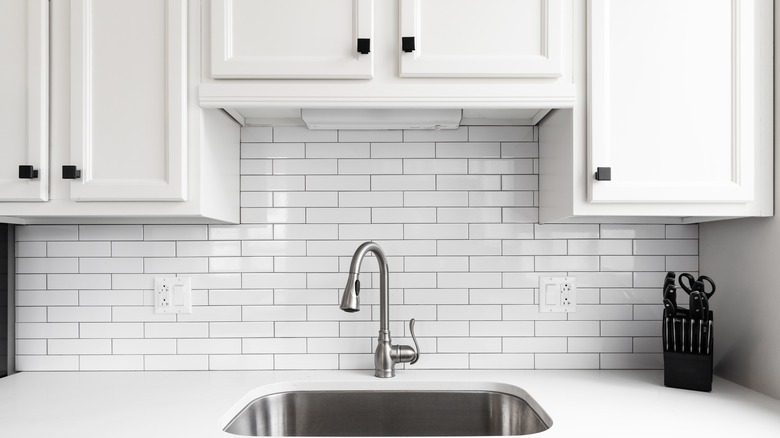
x,y
440,411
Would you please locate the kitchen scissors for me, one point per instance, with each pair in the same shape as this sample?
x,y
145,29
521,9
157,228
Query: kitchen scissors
x,y
692,284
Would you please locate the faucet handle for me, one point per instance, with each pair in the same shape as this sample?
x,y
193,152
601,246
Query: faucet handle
x,y
416,346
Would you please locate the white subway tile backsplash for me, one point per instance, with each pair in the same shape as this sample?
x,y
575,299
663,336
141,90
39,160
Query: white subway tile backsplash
x,y
456,212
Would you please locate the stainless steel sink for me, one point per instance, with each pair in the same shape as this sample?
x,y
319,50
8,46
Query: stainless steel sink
x,y
389,413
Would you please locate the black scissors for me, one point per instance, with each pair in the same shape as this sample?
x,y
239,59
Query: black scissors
x,y
697,284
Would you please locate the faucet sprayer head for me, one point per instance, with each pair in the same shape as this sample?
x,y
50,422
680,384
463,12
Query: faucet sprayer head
x,y
350,301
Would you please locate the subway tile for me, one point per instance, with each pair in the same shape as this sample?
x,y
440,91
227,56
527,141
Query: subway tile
x,y
273,215
306,231
566,231
47,265
519,182
508,198
600,247
501,133
305,264
469,345
603,279
140,249
273,280
630,328
566,263
567,328
460,134
602,312
403,150
404,280
525,280
633,263
111,363
78,281
336,280
256,134
435,231
301,133
306,199
436,296
501,361
30,314
436,166
649,279
406,247
47,298
633,361
256,199
501,296
501,264
144,346
240,264
79,314
308,166
681,263
111,232
273,345
648,345
572,361
272,150
175,330
111,265
600,345
338,150
208,249
525,215
468,215
273,313
442,361
504,329
256,167
306,362
436,264
134,281
502,231
468,182
212,314
523,149
371,199
373,166
178,362
178,265
328,183
303,329
273,248
682,231
272,183
79,346
208,346
139,314
240,297
308,296
648,312
534,345
78,249
47,363
176,232
338,345
468,247
403,215
239,362
436,199
46,232
215,281
403,182
631,296
30,249
338,215
30,347
472,312
241,329
356,361
535,247
422,329
666,247
629,231
111,330
501,166
468,150
371,231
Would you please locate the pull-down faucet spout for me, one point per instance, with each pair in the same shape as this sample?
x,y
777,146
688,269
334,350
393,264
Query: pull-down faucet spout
x,y
386,354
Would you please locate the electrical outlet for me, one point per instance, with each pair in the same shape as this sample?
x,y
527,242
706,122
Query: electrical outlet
x,y
172,295
557,294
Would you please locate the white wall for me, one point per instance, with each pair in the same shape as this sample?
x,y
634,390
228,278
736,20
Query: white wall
x,y
456,213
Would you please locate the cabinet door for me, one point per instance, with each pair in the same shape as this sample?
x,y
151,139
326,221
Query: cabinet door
x,y
671,100
292,39
24,99
128,100
481,38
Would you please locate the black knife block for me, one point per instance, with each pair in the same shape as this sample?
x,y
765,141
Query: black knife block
x,y
686,370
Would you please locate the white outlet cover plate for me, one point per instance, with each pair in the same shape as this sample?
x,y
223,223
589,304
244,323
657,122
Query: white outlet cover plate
x,y
172,295
557,294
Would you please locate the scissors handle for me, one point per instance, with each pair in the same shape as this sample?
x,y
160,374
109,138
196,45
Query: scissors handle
x,y
703,289
690,284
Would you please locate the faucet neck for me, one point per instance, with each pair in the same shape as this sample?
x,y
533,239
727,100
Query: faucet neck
x,y
384,280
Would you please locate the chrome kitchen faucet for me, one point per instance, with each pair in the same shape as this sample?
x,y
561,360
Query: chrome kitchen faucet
x,y
386,354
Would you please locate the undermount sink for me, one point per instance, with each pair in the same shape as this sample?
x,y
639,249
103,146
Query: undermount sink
x,y
442,409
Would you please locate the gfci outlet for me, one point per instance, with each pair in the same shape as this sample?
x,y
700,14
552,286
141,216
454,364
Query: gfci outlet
x,y
557,294
172,295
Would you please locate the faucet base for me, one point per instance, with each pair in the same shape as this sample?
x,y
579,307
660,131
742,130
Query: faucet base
x,y
384,373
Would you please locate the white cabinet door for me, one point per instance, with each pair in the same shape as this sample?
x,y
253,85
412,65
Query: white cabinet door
x,y
128,100
24,99
481,38
292,39
672,92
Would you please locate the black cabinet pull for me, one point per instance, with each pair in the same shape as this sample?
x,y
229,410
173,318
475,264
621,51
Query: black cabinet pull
x,y
27,172
364,46
603,174
407,44
70,172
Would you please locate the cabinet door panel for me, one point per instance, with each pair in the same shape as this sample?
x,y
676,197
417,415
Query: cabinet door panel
x,y
24,98
482,38
128,100
671,98
290,39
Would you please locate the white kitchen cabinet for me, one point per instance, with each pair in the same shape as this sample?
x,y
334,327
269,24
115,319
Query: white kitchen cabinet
x,y
24,100
292,39
128,142
481,38
678,108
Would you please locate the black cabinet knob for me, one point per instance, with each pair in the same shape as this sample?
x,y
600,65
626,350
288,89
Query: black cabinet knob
x,y
364,46
407,44
70,172
27,172
603,174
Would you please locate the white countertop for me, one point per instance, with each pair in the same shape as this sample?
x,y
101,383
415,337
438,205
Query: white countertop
x,y
192,404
